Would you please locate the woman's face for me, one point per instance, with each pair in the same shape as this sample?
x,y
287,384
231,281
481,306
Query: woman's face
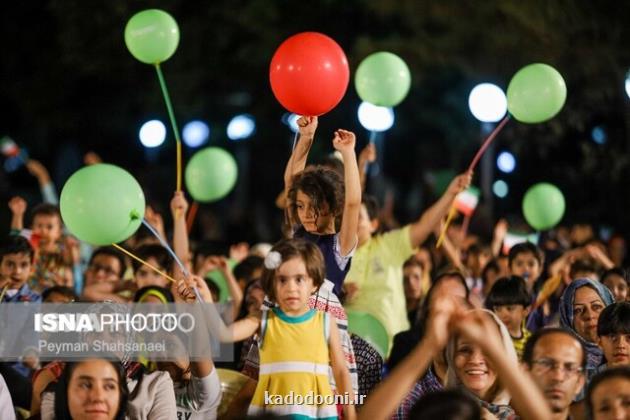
x,y
472,369
94,391
587,305
611,399
412,282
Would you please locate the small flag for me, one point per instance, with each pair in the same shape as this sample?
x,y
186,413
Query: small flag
x,y
512,239
467,200
8,147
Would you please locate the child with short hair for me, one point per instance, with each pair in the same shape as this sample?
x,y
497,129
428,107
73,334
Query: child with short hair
x,y
16,259
613,329
526,260
157,256
510,301
616,279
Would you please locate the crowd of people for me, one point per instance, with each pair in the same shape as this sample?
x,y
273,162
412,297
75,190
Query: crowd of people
x,y
475,328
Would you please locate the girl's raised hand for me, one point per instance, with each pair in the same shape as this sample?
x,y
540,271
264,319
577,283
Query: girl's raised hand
x,y
17,205
307,126
179,204
344,141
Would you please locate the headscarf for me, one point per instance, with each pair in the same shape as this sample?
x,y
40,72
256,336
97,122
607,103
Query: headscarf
x,y
499,406
593,352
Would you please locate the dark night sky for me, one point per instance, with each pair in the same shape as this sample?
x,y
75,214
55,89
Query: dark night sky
x,y
69,85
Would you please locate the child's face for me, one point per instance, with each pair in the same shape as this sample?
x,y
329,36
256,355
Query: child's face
x,y
47,227
144,276
309,217
616,348
293,287
412,282
527,266
511,315
103,269
610,399
617,286
15,269
366,226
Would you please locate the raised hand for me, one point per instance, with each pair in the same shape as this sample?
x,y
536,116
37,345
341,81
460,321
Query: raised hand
x,y
307,126
368,154
179,204
344,141
38,170
17,205
460,183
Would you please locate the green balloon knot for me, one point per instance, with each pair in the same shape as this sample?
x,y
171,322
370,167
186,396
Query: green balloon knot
x,y
134,215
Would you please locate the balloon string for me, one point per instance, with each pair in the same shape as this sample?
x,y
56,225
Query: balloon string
x,y
4,290
165,245
487,142
295,139
157,270
171,116
372,136
191,215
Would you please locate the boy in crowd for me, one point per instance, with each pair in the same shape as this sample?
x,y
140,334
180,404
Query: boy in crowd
x,y
16,259
613,329
510,301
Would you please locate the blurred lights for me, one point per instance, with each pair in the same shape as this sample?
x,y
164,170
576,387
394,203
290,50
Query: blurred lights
x,y
375,118
291,121
241,127
500,188
152,133
196,133
506,162
628,84
599,135
487,102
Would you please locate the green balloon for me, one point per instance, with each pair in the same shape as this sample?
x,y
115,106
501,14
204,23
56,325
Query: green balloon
x,y
536,93
370,329
219,279
211,174
382,79
543,206
102,204
152,36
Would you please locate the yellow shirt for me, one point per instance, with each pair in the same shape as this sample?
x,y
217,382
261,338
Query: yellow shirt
x,y
377,271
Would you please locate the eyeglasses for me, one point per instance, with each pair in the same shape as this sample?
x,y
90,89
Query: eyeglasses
x,y
547,365
108,270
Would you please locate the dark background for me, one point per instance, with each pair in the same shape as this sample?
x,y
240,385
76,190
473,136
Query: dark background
x,y
69,85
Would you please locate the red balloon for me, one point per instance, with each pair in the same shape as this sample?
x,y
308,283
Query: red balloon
x,y
309,74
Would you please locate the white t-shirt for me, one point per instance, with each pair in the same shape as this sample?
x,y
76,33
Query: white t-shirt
x,y
6,405
199,398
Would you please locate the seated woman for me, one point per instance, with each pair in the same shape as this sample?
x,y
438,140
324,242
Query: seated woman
x,y
93,388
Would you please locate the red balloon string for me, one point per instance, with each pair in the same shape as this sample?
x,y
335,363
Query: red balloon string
x,y
191,215
487,142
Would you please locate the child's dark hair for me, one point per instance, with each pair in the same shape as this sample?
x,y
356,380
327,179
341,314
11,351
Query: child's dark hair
x,y
214,288
526,248
111,252
45,209
60,290
15,244
62,411
622,372
322,186
161,293
446,404
528,350
307,251
616,271
245,269
413,262
582,265
508,291
614,319
156,251
371,205
492,265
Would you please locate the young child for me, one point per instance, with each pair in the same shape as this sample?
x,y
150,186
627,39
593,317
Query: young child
x,y
157,256
16,258
526,260
613,329
510,301
297,344
317,200
617,281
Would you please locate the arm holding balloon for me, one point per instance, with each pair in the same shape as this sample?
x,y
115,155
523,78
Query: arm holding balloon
x,y
344,142
39,171
179,208
423,227
297,161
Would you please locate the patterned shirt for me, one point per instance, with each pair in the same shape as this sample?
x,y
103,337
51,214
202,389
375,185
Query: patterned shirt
x,y
429,383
